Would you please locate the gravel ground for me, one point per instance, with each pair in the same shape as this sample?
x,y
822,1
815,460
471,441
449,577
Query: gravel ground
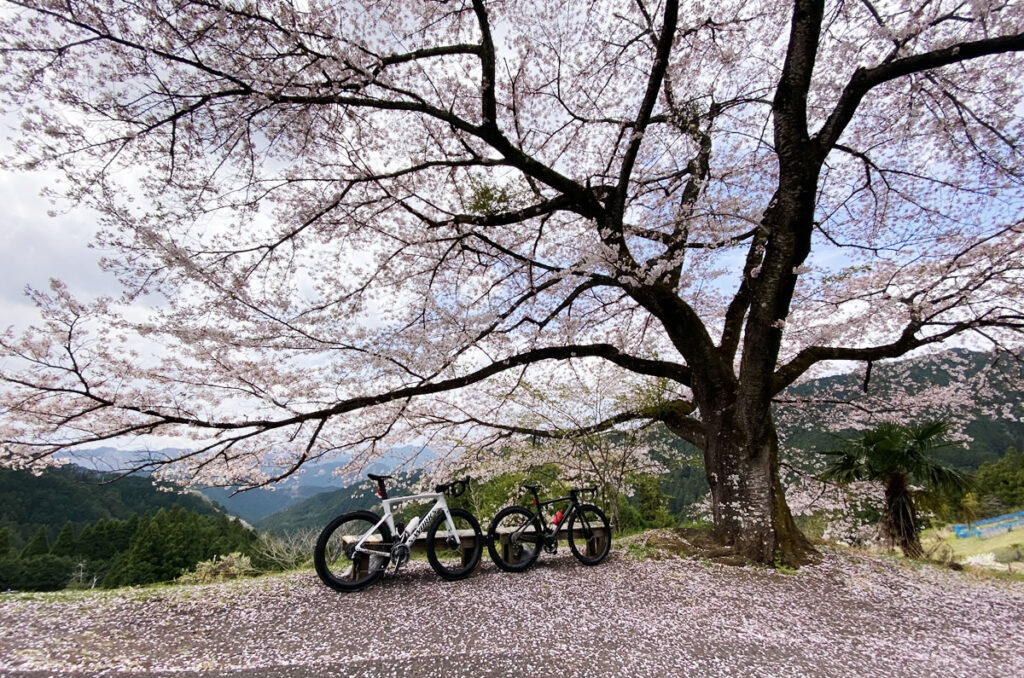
x,y
851,615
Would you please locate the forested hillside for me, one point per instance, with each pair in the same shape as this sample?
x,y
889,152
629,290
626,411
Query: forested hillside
x,y
254,505
71,526
143,549
80,496
317,510
995,409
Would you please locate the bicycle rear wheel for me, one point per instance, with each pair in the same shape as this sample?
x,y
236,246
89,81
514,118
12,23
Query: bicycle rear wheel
x,y
450,558
338,561
514,539
590,536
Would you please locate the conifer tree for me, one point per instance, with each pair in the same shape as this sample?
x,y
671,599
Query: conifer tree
x,y
65,543
5,541
38,545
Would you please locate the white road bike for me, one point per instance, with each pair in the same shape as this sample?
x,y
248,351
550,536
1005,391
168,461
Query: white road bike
x,y
355,548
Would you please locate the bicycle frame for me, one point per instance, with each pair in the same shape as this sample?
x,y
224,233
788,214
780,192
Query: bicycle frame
x,y
440,504
356,548
518,533
572,508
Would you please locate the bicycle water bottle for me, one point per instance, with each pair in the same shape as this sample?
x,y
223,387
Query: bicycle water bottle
x,y
558,518
412,525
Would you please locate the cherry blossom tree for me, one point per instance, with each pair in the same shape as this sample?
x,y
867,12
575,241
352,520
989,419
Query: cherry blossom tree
x,y
336,223
555,430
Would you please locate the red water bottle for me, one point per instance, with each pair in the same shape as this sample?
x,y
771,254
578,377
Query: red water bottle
x,y
558,518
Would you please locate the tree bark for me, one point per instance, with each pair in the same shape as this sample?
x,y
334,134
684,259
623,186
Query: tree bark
x,y
901,518
747,499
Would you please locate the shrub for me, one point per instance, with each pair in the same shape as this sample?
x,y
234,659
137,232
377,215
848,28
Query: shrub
x,y
1010,554
289,551
45,572
220,568
813,525
12,574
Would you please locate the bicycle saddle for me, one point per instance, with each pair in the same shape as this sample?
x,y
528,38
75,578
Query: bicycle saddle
x,y
382,491
531,488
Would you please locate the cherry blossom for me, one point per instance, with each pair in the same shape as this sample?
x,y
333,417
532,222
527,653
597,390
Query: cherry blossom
x,y
851,615
347,226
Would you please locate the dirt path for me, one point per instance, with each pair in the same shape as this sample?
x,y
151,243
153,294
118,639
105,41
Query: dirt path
x,y
849,616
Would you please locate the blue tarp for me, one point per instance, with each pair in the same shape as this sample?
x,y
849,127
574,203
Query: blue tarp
x,y
990,526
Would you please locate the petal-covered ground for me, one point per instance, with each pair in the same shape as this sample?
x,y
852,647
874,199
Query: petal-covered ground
x,y
851,615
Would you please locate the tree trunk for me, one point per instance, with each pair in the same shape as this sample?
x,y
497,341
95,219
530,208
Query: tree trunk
x,y
747,500
900,518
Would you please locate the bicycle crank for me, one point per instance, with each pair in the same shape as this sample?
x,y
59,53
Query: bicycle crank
x,y
399,555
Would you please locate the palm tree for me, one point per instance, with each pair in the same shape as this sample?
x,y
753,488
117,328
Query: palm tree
x,y
900,457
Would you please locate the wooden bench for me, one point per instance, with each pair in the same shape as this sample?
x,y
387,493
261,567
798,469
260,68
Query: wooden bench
x,y
361,561
592,547
467,540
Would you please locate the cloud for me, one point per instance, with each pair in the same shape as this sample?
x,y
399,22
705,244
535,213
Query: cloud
x,y
35,247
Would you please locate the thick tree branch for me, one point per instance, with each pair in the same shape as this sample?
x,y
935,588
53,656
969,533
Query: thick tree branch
x,y
160,418
674,414
489,112
908,341
654,81
790,103
865,79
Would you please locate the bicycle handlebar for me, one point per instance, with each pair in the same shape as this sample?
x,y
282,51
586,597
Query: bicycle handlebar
x,y
456,488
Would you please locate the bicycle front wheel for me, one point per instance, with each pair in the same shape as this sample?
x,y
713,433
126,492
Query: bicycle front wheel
x,y
450,557
590,536
345,564
514,539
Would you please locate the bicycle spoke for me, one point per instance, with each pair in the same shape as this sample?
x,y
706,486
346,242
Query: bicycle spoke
x,y
589,535
514,539
454,554
345,564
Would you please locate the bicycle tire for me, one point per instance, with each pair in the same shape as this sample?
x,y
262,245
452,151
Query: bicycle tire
x,y
593,548
333,554
517,554
447,558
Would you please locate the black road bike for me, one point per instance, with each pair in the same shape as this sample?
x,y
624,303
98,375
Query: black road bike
x,y
516,535
355,548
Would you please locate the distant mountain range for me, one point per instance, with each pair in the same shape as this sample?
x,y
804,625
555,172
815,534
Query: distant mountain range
x,y
254,505
317,510
311,498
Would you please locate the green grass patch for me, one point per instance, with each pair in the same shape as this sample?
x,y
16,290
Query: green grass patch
x,y
971,546
1013,573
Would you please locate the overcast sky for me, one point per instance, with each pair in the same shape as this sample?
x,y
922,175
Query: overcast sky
x,y
35,247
